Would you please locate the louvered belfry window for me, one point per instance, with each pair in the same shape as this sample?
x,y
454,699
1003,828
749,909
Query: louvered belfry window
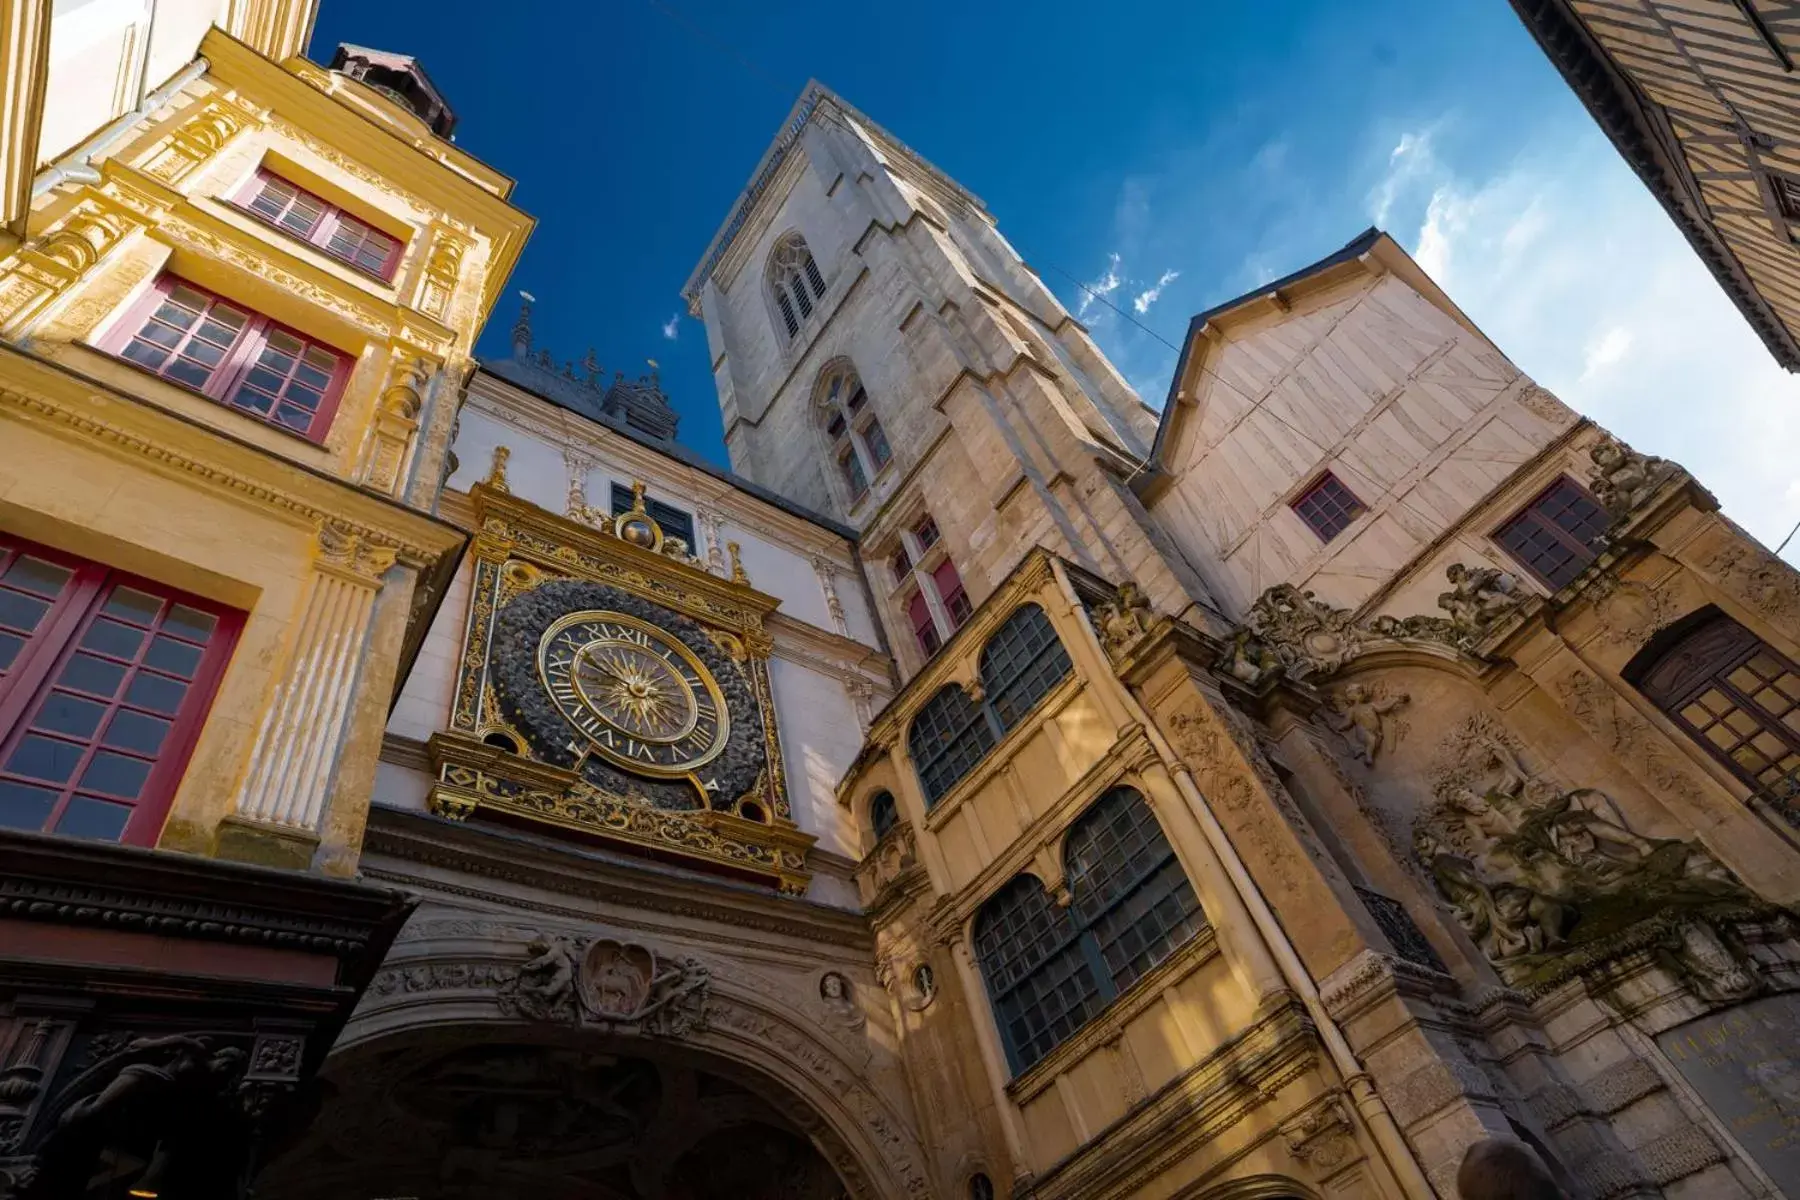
x,y
1050,969
794,282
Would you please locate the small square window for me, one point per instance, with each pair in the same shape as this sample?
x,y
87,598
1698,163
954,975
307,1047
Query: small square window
x,y
1558,534
1787,195
1328,507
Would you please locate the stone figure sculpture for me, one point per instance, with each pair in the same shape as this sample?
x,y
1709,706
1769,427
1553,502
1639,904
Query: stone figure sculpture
x,y
1623,479
1124,619
1479,598
1532,869
544,988
1357,712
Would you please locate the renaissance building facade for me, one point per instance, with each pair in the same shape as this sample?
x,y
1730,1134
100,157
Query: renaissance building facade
x,y
988,787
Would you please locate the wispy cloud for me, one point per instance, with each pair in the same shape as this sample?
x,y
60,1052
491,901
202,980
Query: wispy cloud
x,y
1099,289
1581,279
672,327
1150,295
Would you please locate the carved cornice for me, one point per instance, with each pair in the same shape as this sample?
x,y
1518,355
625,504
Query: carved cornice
x,y
66,882
397,840
1241,1076
50,396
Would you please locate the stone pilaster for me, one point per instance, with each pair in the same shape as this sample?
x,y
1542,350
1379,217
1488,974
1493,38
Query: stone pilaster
x,y
395,423
281,805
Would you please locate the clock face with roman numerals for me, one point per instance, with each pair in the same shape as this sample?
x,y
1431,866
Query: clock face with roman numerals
x,y
639,697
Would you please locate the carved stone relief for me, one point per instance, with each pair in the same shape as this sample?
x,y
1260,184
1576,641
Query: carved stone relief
x,y
1622,479
1631,613
609,984
1123,620
1366,714
1535,871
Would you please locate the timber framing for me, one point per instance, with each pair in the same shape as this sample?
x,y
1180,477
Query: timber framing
x,y
1704,109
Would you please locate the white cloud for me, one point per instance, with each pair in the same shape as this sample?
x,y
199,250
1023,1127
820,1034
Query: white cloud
x,y
672,327
1567,263
1150,295
1099,289
1411,158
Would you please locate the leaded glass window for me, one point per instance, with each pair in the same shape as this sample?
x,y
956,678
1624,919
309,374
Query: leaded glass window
x,y
948,737
858,442
1020,664
1050,969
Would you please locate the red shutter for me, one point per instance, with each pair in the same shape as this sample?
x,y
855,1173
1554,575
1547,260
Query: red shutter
x,y
918,612
950,591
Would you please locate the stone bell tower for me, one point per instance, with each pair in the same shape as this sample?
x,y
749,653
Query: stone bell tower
x,y
882,354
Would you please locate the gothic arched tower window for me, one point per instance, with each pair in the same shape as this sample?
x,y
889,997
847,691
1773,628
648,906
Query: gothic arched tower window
x,y
794,282
859,445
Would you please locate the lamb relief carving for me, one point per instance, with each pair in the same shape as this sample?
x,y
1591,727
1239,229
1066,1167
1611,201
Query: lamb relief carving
x,y
1534,871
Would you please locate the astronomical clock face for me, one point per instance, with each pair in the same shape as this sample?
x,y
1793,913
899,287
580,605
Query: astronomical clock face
x,y
640,697
639,700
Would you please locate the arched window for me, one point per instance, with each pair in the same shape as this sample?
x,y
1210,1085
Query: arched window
x,y
948,737
1050,969
859,445
884,814
1019,665
1038,974
794,282
1734,695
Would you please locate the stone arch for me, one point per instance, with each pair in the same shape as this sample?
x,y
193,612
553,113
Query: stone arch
x,y
454,985
1252,1187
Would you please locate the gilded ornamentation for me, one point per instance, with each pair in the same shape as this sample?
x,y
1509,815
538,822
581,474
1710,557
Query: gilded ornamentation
x,y
1533,870
1622,479
738,574
496,476
1124,619
1357,711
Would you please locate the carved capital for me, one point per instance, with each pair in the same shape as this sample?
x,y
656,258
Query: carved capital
x,y
347,551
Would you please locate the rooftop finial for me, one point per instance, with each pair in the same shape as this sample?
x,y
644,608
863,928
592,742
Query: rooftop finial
x,y
521,330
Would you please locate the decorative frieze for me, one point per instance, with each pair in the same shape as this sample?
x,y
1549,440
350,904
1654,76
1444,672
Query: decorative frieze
x,y
296,747
40,272
195,140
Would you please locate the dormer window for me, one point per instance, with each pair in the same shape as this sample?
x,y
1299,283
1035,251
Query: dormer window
x,y
795,284
323,225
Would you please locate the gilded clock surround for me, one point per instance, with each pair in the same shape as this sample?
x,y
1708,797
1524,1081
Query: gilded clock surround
x,y
533,570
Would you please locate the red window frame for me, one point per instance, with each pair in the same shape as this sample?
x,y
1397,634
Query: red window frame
x,y
1557,535
1327,506
79,701
233,354
924,625
950,590
280,203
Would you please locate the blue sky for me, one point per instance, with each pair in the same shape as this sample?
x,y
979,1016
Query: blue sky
x,y
1169,155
